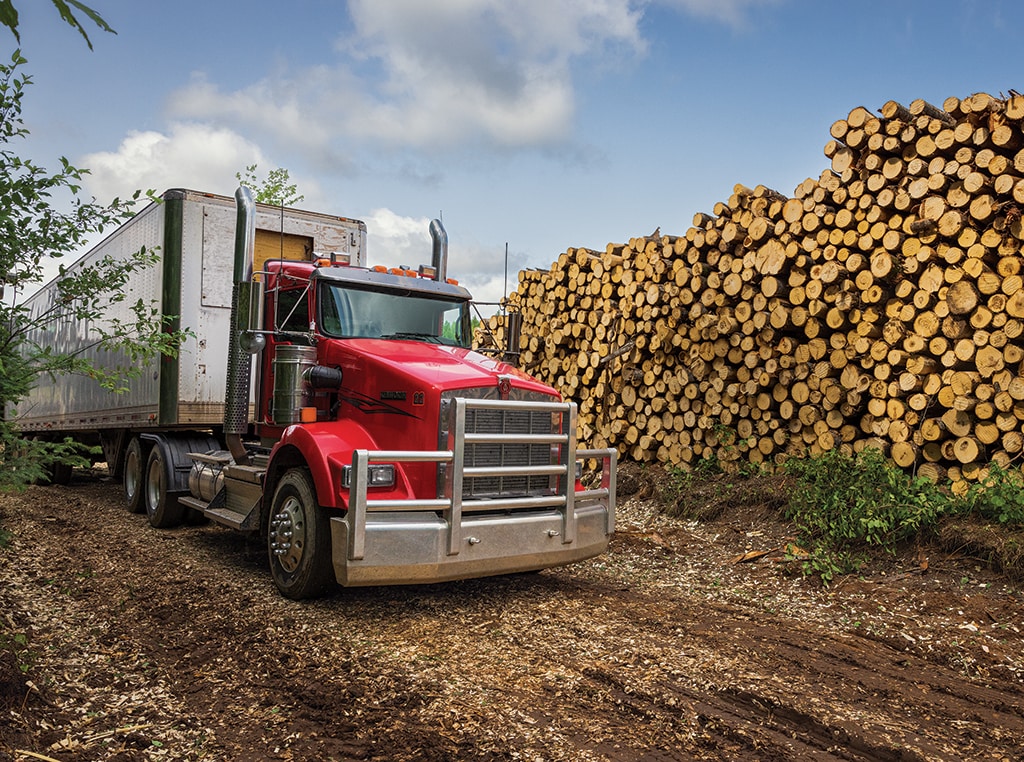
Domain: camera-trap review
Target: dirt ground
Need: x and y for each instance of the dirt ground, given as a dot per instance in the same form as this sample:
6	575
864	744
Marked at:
685	641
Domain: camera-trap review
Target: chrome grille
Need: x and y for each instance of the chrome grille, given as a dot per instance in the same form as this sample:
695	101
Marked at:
498	421
508	422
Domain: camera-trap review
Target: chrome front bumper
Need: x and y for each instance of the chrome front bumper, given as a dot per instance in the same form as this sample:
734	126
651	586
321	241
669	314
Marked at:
410	548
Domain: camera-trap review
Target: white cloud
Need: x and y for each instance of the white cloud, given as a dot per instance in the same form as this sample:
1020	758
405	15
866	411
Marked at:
394	240
189	155
429	75
207	159
296	113
412	76
490	69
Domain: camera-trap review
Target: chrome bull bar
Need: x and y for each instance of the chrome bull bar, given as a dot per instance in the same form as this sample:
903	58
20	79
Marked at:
453	505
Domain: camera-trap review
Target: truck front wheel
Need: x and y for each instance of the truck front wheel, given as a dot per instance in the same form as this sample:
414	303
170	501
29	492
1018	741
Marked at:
299	539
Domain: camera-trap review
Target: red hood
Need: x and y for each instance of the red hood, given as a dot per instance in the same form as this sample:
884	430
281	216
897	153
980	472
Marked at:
437	366
392	395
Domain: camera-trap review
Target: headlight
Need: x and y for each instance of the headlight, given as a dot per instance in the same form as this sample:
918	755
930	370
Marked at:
378	475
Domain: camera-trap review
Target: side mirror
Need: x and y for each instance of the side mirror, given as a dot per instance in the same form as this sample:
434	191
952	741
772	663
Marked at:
513	331
250	298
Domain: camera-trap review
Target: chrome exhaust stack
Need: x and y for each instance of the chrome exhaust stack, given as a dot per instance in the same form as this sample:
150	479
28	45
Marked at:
439	250
243	341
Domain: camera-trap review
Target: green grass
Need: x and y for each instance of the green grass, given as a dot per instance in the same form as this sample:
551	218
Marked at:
845	506
846	509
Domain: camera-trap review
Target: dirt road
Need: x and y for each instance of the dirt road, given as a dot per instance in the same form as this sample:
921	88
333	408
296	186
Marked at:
127	643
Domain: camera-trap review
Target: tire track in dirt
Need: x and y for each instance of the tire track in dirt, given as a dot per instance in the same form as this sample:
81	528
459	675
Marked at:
212	631
556	666
810	694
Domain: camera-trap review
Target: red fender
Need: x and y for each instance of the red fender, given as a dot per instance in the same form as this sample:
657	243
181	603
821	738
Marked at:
327	448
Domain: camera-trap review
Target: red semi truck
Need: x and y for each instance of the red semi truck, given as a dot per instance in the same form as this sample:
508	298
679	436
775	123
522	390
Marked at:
336	410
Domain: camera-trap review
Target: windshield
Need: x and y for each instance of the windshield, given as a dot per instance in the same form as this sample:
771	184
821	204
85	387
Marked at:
347	312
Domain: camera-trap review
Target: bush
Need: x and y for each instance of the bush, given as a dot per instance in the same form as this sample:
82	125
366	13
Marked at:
998	497
842	505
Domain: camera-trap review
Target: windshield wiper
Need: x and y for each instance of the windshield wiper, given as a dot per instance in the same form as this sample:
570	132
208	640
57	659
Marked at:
428	337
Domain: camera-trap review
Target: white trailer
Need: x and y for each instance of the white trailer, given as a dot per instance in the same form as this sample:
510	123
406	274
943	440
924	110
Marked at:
194	234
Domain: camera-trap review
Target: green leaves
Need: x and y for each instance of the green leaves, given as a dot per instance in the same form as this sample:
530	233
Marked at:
842	505
274	190
27	460
17	643
66	14
9	17
85	295
999	496
42	218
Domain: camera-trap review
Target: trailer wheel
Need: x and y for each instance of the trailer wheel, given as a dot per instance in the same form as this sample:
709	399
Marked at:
299	539
133	468
60	473
163	509
54	472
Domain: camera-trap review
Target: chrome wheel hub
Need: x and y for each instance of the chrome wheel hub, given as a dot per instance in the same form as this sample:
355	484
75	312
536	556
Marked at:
131	475
154	486
287	529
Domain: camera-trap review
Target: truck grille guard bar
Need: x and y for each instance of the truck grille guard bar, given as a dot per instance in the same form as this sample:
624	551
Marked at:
453	505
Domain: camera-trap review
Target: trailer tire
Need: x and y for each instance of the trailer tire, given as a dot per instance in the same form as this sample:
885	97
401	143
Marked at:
60	473
134	463
54	472
299	539
162	508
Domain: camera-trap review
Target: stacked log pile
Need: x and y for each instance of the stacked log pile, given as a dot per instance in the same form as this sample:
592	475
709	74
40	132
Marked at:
880	305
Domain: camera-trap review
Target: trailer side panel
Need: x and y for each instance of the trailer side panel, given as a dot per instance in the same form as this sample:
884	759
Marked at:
194	233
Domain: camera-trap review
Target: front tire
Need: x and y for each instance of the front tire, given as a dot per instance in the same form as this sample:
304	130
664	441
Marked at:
299	539
163	509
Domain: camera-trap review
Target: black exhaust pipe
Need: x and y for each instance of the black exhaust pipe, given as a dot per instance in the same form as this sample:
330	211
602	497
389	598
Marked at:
439	249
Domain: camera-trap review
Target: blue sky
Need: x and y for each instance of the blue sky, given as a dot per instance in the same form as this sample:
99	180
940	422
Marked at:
543	124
